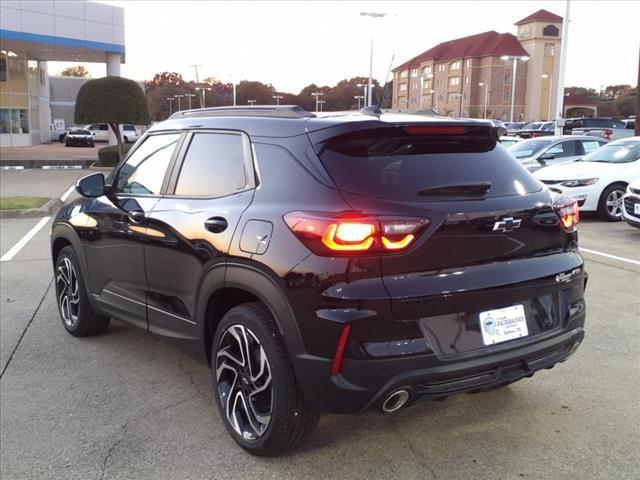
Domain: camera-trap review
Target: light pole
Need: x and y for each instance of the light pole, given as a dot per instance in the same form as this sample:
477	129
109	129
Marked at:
364	87
189	95
170	100
251	102
233	85
198	79
550	77
373	16
317	95
179	97
359	97
424	75
278	98
203	99
321	102
524	58
486	96
559	113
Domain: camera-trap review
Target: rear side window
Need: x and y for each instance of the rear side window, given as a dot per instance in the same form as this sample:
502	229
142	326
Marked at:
214	166
392	163
590	145
564	149
144	170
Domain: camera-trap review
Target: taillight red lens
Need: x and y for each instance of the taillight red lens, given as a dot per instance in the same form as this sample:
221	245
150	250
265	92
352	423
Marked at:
330	234
435	130
607	133
568	212
535	134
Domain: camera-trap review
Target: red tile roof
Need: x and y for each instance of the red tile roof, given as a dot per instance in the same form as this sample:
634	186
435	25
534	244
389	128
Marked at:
579	100
542	16
480	45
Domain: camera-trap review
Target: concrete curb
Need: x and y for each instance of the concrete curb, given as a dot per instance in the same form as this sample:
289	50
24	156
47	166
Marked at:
28	164
48	208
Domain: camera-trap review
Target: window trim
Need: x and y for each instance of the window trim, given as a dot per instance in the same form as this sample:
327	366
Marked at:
176	168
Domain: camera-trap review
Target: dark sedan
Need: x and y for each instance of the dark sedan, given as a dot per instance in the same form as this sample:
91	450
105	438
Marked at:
79	138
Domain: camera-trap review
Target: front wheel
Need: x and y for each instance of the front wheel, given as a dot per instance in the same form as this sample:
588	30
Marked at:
611	203
76	312
257	394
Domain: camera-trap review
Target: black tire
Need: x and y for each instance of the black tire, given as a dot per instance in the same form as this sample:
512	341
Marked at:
291	420
604	209
66	143
77	315
126	140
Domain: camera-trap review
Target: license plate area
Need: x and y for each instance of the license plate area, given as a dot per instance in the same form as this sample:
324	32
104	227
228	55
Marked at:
636	208
503	324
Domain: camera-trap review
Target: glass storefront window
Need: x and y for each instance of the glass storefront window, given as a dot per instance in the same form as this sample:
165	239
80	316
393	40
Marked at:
4	121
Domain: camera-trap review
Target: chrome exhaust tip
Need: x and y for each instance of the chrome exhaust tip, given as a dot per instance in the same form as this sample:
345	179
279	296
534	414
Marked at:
395	401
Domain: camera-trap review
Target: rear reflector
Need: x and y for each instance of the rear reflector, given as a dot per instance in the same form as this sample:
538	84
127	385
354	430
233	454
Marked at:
568	212
336	363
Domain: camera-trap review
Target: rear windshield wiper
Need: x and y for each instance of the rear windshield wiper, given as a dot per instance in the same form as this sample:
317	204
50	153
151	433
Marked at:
457	189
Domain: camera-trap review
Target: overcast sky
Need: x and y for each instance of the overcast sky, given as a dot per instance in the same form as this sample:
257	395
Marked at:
293	44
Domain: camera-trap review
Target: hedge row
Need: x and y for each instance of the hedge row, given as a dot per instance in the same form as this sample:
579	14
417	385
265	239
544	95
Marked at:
108	156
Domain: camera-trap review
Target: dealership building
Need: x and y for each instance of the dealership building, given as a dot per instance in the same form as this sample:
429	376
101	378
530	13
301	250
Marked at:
33	33
488	74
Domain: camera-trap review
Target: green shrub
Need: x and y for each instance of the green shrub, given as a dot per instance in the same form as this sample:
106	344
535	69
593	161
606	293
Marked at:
108	156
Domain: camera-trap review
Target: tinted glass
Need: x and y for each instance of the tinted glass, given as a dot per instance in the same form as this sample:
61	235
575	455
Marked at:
389	163
79	132
213	166
128	127
104	126
145	169
528	148
615	153
563	149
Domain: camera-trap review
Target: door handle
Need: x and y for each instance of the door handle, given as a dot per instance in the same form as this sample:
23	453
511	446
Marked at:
216	224
136	216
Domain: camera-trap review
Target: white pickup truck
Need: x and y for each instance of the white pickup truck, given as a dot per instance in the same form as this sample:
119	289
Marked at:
607	128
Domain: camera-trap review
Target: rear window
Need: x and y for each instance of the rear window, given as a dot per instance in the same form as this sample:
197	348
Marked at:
394	164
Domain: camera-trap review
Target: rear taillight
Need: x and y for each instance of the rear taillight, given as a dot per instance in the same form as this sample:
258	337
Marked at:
535	134
607	133
568	213
348	233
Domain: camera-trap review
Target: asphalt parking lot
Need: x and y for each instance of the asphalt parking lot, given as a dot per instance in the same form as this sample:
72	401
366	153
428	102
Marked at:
125	405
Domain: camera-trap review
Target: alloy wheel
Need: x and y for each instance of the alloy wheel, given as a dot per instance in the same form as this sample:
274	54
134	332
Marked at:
68	292
614	203
243	377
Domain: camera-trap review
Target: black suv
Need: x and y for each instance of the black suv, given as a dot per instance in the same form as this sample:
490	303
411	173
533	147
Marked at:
340	263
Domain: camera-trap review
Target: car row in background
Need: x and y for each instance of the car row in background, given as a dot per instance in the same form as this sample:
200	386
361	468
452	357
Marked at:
100	132
600	180
605	127
536	153
631	204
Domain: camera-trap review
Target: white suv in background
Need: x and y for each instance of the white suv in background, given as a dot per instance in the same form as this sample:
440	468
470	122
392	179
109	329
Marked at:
130	133
631	204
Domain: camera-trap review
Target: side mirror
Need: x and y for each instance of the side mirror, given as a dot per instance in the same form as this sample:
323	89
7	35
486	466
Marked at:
91	186
546	156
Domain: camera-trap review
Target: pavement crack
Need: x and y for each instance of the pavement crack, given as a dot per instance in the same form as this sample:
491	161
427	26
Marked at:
413	449
125	427
33	316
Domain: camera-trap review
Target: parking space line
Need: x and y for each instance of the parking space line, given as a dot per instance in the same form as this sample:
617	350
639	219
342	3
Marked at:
24	240
608	255
66	194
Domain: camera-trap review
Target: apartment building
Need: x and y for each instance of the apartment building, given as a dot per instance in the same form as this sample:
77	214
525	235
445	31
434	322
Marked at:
479	75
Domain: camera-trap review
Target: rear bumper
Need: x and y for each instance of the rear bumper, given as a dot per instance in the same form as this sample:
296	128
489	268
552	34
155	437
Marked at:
365	384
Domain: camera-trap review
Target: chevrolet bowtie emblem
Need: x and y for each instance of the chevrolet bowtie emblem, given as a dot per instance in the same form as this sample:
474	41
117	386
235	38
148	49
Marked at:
508	224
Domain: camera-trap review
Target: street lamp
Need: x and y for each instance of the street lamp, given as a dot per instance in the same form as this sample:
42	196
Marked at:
202	90
251	102
278	98
486	96
317	95
179	97
189	95
170	100
359	97
233	85
321	102
373	16
515	59
364	87
424	75
550	77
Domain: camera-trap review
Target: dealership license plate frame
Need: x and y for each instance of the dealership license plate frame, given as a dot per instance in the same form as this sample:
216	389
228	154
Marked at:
503	324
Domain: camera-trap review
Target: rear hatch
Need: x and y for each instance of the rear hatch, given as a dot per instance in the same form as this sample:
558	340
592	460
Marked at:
493	239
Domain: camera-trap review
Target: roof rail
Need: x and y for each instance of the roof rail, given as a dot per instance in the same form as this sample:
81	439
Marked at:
278	111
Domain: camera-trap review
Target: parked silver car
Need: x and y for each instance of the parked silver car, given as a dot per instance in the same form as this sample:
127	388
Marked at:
536	153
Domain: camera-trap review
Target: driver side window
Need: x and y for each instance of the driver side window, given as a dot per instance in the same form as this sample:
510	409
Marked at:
144	170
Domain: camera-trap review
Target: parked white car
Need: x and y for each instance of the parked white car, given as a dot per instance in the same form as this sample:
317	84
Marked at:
599	180
631	202
130	133
536	153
